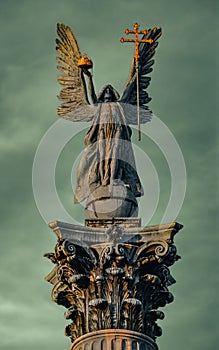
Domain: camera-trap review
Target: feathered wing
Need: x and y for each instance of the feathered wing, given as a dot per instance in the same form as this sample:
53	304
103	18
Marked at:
146	53
73	93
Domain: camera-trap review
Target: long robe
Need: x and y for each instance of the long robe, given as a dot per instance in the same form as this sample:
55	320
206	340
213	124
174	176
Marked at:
108	158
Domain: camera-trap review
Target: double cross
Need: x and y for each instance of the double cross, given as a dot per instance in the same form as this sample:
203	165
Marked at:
136	40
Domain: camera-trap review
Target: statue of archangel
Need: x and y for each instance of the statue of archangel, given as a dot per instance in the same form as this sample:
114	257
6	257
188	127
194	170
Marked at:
106	175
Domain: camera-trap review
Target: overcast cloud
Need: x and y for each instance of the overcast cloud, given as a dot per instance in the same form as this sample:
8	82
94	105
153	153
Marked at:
183	89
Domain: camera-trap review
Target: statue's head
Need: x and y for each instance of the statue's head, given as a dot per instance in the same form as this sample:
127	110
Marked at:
108	94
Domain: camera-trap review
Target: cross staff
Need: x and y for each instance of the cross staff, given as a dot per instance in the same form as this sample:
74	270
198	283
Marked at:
136	57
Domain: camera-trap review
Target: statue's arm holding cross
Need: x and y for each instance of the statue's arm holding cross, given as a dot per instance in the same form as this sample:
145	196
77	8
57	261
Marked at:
74	66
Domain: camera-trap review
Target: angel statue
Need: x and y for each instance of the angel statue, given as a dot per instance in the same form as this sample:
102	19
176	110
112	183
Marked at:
106	176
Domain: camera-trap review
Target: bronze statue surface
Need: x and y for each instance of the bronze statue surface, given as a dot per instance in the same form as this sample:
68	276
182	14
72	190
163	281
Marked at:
106	175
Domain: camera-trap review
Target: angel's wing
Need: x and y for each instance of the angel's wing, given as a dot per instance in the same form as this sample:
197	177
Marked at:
146	52
74	93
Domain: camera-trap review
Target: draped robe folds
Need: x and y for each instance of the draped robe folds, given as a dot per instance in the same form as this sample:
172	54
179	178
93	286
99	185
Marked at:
108	159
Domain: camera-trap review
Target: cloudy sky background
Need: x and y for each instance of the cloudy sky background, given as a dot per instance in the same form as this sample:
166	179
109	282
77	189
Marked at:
183	89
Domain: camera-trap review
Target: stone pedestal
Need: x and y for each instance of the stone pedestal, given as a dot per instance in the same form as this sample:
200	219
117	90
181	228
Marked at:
114	339
113	276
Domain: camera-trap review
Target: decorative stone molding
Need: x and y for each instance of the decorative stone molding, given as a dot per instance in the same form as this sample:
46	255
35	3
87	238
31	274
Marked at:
113	277
114	339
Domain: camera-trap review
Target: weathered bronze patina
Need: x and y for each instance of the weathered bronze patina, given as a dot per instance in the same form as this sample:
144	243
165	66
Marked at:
107	175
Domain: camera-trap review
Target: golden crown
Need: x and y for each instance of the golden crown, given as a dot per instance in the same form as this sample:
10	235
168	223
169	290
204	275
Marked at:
85	62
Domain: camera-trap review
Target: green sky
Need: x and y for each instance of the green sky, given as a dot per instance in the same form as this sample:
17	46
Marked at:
183	89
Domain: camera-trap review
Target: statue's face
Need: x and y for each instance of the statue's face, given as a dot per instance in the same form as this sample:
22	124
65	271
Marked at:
108	96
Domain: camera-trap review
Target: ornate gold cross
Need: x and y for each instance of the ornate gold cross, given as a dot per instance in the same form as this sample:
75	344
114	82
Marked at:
136	40
136	57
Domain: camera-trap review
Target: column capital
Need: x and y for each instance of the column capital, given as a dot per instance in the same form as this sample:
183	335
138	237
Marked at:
114	276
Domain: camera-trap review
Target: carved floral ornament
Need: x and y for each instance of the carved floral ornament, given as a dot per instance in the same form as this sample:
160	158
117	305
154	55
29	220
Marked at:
117	284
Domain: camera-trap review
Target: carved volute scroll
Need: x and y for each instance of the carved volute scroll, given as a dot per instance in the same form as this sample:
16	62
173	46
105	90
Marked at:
119	283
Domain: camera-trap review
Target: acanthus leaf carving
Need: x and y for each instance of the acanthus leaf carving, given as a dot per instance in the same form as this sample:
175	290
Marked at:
118	284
